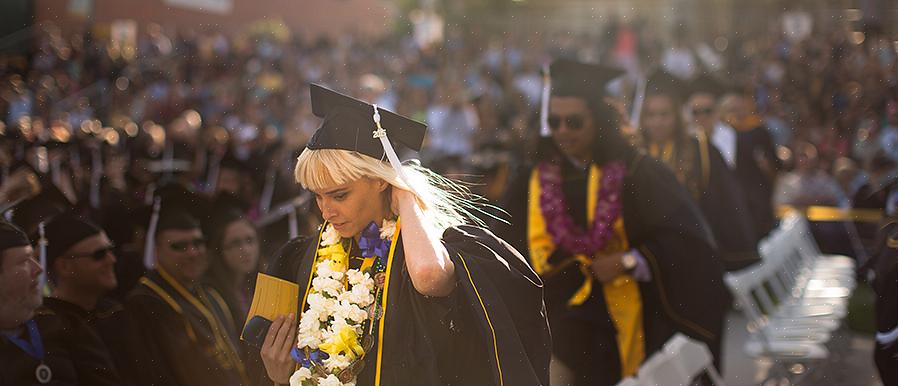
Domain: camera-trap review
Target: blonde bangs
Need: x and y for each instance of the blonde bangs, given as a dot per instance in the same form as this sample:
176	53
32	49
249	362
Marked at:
325	168
445	202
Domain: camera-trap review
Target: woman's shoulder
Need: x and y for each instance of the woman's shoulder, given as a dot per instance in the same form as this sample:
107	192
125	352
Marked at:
475	241
286	260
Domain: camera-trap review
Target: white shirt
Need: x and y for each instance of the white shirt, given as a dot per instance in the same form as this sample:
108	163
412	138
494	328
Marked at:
724	139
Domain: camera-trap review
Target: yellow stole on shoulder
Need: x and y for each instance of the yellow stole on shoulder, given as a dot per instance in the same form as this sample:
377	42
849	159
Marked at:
622	295
664	153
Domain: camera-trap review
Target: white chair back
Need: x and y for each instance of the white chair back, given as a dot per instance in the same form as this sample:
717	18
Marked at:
679	363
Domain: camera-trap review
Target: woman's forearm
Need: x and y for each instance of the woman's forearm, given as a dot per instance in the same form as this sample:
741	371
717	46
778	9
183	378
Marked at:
428	263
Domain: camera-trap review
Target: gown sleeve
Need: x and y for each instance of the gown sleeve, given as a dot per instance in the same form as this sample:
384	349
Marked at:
724	206
664	224
500	296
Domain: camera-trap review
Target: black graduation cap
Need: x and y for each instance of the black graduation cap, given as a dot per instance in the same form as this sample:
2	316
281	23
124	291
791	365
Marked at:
11	236
178	199
664	83
349	125
707	84
584	80
47	204
64	231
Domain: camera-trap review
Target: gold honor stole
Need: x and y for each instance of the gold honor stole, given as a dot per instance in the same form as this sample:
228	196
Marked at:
622	295
664	153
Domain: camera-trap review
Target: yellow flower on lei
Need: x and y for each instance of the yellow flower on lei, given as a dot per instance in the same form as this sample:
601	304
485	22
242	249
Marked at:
339	259
346	343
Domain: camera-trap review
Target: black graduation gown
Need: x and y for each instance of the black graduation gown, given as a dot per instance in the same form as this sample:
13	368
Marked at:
75	354
686	292
757	184
111	323
179	344
722	203
885	283
491	330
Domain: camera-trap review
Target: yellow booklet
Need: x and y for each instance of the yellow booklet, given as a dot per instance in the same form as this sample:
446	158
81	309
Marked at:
272	298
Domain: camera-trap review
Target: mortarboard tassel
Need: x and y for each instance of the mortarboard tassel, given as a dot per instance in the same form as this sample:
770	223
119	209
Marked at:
544	130
268	190
639	99
381	134
96	174
42	255
149	251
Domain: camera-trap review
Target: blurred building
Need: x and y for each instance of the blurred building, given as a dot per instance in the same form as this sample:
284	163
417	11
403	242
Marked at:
309	18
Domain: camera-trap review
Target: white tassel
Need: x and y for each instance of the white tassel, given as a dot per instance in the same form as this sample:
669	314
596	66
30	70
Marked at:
96	175
381	134
638	101
42	255
149	250
544	130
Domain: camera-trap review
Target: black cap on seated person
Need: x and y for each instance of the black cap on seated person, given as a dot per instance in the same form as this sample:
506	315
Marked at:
349	125
64	231
11	237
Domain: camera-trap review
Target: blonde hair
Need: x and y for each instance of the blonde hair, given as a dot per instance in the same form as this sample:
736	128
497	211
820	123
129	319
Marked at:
446	203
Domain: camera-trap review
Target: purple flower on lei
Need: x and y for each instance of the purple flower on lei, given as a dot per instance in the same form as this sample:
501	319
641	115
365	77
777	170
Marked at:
564	231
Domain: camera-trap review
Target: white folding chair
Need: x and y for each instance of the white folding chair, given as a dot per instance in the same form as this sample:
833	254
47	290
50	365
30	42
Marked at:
678	363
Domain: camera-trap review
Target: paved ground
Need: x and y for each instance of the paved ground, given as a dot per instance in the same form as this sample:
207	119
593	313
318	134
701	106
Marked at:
852	368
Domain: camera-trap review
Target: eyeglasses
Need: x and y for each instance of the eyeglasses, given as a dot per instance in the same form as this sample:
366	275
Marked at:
702	111
573	122
182	246
97	255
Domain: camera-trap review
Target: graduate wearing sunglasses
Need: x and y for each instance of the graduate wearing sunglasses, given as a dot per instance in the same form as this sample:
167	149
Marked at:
186	327
622	250
37	345
81	266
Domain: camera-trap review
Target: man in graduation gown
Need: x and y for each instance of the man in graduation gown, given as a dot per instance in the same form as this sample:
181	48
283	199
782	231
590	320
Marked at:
756	163
626	258
80	265
185	325
37	346
701	169
490	329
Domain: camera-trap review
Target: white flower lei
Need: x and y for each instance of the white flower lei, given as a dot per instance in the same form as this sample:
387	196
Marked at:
337	304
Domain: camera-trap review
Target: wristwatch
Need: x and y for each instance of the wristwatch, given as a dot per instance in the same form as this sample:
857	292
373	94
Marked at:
628	260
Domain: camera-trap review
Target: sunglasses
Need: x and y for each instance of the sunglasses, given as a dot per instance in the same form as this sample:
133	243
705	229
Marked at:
573	122
99	254
702	111
182	246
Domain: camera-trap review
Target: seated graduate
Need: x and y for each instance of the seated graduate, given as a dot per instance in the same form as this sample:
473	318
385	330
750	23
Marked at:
398	288
625	255
80	264
37	346
186	332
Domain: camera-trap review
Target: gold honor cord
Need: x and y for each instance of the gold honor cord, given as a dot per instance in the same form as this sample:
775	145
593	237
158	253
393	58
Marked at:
383	307
171	303
830	213
223	346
